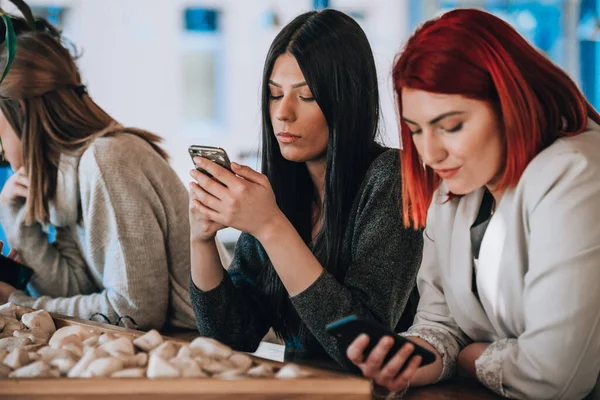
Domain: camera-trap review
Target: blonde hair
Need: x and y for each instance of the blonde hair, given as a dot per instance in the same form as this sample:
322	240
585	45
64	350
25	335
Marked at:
43	100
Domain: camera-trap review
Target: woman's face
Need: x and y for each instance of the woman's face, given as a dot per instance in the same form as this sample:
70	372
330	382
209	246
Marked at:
11	144
459	138
298	123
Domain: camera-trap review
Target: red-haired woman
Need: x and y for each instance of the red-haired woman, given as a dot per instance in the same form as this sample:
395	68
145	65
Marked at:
501	164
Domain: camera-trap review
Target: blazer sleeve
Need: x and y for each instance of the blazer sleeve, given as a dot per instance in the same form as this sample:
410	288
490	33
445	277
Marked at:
433	322
558	354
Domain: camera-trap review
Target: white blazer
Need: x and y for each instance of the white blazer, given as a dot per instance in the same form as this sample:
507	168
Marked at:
538	277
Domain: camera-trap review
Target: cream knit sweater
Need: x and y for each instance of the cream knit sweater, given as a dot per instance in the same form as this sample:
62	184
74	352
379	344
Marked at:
122	243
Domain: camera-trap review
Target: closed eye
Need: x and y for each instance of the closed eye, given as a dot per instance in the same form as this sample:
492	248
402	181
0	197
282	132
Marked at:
455	129
272	97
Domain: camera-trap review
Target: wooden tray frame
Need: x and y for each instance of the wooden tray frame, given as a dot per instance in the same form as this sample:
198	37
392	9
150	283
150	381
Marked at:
322	385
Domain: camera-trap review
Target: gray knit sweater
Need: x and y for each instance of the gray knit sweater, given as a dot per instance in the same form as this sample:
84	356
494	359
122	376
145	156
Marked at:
381	263
122	243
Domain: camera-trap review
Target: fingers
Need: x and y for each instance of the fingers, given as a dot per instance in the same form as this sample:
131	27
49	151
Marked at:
21	177
208	187
357	348
249	174
392	368
20	191
403	380
212	186
204	211
375	359
219	173
198	193
13	255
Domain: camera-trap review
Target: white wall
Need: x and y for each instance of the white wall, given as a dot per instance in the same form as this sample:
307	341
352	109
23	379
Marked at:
132	62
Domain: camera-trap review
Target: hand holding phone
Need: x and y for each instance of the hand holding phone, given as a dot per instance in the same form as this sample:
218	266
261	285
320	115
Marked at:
13	272
346	330
215	154
201	228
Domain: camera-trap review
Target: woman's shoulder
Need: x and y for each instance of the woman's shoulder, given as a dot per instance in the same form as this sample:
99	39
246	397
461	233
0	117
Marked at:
573	158
385	168
119	145
380	187
387	158
119	150
583	145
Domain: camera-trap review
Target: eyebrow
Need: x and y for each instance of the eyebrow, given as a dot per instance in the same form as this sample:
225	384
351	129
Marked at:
436	119
294	86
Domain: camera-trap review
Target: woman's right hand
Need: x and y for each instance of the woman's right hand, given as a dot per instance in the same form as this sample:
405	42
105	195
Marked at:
385	375
202	228
15	188
12	254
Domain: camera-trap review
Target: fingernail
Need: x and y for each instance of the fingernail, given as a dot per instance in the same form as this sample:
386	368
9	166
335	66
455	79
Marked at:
235	165
198	160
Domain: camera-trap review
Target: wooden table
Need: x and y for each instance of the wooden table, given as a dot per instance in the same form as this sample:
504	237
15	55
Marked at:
458	389
324	385
321	385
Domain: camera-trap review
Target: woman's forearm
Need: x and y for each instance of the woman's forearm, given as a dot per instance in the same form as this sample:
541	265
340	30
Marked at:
430	373
207	269
293	261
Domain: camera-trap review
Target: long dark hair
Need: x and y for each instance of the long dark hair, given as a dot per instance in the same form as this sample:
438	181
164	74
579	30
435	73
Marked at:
336	60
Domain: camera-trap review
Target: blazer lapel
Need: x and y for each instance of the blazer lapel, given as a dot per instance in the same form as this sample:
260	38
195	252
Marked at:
473	319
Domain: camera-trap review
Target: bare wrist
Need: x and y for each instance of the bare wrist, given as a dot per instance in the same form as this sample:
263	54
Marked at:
272	229
202	241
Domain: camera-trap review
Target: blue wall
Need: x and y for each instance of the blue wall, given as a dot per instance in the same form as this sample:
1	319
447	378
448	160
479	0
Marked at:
5	173
541	23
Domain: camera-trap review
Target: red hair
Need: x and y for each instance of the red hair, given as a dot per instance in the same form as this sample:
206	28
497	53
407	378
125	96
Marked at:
477	55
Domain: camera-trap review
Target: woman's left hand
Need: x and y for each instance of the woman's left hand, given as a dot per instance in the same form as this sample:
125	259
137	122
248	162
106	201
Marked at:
246	204
468	356
5	291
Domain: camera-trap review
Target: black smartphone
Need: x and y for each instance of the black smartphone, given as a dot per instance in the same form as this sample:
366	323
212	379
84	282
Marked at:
215	154
347	329
14	273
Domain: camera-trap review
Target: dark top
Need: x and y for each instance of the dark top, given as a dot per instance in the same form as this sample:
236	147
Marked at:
477	232
380	262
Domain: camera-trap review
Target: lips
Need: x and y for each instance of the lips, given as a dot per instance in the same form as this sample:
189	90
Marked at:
447	173
286	137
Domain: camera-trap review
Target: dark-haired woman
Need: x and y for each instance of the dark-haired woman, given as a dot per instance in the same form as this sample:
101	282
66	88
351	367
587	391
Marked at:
323	231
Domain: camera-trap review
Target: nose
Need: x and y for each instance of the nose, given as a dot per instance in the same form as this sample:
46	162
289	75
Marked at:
286	109
432	149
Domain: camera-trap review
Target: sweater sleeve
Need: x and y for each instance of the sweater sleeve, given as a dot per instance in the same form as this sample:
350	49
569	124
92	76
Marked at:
125	228
234	312
60	270
382	271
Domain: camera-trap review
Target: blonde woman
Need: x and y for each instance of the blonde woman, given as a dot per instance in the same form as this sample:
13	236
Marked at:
120	212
